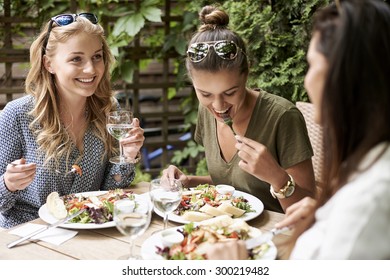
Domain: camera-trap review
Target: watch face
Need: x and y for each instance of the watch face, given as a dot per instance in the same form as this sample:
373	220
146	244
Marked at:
289	191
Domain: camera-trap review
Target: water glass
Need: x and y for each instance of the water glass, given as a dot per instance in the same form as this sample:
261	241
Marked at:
119	124
166	196
132	217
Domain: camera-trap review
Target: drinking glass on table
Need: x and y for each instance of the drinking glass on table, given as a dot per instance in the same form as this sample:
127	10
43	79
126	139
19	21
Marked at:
132	217
119	124
166	196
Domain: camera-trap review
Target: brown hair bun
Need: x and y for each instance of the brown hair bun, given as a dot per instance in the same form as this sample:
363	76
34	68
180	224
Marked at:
212	17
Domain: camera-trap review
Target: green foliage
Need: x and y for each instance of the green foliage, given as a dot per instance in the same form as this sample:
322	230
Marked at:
277	37
20	8
130	20
140	176
192	150
201	168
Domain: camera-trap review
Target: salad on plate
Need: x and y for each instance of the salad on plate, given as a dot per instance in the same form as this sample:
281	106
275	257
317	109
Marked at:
204	202
198	237
99	208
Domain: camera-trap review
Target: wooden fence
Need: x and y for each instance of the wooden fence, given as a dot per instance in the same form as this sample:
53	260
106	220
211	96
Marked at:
147	96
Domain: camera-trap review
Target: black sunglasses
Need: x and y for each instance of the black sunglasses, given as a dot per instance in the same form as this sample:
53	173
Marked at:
66	19
224	49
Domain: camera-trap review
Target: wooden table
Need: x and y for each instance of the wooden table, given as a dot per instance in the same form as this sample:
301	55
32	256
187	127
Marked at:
108	243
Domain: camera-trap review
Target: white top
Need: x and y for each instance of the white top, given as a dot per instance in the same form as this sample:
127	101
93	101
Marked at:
355	222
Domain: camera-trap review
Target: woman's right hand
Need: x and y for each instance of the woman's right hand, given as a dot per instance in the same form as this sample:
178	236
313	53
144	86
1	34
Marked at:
298	213
172	172
229	250
19	175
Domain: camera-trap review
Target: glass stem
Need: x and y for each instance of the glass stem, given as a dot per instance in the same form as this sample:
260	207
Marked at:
131	257
165	221
121	157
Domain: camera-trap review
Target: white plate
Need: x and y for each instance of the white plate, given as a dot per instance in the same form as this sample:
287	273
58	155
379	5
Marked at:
148	248
256	204
45	215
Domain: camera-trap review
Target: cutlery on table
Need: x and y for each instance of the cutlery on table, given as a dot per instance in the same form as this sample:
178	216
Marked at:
264	238
60	222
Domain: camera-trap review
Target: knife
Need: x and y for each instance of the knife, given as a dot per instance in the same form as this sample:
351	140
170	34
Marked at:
60	222
264	238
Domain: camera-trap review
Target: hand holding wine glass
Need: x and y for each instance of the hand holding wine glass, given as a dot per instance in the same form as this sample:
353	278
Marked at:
119	124
166	196
132	217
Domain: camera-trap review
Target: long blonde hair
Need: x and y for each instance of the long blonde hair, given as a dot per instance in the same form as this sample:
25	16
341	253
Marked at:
53	140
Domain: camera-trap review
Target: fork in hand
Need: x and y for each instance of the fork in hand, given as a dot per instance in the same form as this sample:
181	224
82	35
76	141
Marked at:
75	169
228	120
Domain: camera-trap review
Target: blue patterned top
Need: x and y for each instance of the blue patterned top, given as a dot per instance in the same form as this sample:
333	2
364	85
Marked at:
17	141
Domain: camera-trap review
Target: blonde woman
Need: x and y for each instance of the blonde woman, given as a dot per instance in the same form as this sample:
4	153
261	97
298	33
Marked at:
62	122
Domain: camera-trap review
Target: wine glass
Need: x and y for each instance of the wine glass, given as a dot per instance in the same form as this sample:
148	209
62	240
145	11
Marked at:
166	196
132	217
119	124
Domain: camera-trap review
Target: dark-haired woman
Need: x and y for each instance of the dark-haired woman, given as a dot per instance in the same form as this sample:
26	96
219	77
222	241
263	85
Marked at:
348	83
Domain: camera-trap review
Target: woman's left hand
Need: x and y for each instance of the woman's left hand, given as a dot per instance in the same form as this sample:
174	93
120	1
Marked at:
134	141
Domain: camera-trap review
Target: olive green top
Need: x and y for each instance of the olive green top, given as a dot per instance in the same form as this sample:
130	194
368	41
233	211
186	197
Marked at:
277	124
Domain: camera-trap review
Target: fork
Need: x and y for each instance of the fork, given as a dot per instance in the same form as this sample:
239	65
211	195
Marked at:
75	169
228	120
265	237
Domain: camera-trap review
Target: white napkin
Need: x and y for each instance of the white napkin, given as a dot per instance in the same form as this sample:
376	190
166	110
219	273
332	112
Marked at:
54	236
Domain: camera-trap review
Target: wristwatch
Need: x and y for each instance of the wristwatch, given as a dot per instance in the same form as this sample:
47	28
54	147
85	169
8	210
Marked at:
286	191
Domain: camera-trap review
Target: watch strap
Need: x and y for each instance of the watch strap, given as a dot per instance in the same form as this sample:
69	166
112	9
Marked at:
283	192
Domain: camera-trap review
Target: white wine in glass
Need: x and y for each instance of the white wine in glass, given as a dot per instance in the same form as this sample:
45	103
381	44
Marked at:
119	125
132	218
166	196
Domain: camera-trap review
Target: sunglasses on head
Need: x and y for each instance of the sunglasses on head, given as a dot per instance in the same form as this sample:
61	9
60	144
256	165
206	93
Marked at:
224	49
66	19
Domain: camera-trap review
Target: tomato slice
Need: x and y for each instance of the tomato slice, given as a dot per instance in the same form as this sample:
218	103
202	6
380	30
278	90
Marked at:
234	234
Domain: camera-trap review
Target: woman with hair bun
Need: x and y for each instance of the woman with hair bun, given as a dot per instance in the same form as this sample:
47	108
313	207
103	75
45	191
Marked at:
253	140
